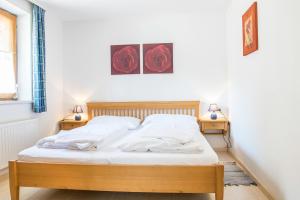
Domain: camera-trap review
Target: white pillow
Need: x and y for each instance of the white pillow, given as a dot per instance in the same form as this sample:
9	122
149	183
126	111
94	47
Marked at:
178	127
128	122
178	119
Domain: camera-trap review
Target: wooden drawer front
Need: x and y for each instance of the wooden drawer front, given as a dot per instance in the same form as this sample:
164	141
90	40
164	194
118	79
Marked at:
214	126
70	126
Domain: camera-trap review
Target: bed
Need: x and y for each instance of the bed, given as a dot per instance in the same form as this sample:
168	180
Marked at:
120	171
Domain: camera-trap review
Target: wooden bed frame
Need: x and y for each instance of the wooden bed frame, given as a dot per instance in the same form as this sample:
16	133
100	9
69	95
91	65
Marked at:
123	178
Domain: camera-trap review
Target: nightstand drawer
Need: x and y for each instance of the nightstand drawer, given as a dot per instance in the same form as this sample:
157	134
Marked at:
68	125
214	126
217	126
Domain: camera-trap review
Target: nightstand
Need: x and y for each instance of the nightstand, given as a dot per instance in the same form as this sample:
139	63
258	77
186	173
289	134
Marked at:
217	125
70	124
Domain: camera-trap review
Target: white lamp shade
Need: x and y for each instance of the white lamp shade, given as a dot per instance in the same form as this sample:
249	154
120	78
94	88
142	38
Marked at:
213	108
78	109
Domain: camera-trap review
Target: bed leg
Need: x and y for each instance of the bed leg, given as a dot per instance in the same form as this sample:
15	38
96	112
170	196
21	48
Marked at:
219	195
13	181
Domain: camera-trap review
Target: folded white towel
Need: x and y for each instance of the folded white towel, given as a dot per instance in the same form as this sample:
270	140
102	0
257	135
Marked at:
87	138
74	141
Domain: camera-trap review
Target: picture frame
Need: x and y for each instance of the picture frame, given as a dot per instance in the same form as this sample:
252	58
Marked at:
158	58
250	30
125	59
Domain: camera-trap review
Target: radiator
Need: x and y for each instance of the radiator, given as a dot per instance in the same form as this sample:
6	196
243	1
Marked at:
16	136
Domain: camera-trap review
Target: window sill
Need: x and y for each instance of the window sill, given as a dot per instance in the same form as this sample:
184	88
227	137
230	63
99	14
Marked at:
11	102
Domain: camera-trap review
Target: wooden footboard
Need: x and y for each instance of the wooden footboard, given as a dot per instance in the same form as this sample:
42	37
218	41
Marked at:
122	178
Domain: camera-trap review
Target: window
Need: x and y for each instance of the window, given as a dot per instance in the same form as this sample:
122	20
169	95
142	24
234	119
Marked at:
8	56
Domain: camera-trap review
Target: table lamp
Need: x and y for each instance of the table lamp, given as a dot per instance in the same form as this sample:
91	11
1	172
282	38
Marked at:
213	108
78	109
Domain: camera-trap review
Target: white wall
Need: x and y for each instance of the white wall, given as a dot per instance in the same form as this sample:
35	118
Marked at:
199	59
21	111
264	95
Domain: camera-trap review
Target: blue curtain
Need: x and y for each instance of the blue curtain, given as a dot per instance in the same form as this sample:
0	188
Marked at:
39	63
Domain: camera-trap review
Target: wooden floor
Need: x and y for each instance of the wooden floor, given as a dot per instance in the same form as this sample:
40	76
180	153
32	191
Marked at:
231	193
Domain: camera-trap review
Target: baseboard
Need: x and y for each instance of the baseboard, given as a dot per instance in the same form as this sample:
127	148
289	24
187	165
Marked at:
3	171
222	149
3	174
259	185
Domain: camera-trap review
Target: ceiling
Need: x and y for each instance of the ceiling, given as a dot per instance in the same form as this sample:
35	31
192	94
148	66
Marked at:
97	9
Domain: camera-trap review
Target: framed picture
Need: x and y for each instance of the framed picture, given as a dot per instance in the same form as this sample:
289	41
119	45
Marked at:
250	30
125	59
158	58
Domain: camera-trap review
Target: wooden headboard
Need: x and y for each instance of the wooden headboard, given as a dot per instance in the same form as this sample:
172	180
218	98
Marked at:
143	109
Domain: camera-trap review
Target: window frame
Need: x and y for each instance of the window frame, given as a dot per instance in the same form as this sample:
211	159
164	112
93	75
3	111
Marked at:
13	17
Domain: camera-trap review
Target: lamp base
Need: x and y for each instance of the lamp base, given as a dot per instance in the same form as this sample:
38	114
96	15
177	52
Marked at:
213	116
77	117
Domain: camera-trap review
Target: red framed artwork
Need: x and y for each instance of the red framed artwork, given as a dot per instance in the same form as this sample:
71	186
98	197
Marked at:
125	59
250	30
158	58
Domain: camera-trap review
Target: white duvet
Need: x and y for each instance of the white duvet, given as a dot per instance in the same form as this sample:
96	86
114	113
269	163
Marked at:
112	155
86	138
158	133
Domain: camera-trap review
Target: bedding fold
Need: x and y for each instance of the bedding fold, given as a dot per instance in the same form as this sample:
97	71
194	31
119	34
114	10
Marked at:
160	145
164	136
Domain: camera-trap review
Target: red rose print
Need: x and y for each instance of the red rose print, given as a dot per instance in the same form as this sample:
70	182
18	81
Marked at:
125	59
158	58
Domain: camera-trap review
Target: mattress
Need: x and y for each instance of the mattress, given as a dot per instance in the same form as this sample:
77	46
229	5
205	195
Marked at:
113	155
